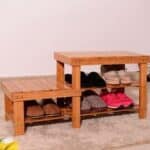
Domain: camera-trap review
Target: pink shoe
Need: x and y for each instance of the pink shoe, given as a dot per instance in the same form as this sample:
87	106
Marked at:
111	100
126	101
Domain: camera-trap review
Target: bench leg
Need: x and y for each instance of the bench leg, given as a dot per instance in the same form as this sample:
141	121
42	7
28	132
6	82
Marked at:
143	91
76	100
18	117
76	112
8	108
60	74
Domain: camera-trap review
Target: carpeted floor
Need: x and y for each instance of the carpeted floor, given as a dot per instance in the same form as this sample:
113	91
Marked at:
123	132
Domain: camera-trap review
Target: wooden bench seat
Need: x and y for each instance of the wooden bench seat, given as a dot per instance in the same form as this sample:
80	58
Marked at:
26	88
19	90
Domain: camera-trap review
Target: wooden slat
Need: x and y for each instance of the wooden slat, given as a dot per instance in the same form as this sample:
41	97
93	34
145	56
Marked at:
112	111
25	96
143	91
134	84
18	118
100	57
29	120
32	84
36	88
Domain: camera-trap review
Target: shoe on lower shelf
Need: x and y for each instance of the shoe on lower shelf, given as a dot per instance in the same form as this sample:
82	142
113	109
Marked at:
126	101
50	108
33	109
148	77
111	100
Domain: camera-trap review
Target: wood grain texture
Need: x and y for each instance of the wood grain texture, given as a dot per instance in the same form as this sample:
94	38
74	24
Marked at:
76	99
60	73
18	118
36	88
143	91
8	108
107	58
100	57
19	90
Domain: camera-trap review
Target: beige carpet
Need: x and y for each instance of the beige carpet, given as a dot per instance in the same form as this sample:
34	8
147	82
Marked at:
125	132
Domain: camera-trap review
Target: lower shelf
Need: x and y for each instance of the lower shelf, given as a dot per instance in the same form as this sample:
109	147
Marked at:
67	115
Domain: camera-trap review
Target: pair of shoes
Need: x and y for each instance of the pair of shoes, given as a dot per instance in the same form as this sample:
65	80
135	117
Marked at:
117	77
50	108
91	101
84	81
93	79
116	100
35	110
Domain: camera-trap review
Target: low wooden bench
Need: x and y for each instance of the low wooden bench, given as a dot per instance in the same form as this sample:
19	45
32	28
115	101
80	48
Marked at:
19	90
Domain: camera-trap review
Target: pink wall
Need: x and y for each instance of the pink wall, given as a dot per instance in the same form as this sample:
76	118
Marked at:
31	30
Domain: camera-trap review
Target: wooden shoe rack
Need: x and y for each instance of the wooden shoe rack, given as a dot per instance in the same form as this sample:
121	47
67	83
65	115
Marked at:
19	90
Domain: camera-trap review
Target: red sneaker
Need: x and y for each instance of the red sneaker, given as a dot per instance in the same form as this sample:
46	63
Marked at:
112	100
126	101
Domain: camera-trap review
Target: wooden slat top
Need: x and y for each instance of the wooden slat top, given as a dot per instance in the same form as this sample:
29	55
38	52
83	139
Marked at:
100	57
32	84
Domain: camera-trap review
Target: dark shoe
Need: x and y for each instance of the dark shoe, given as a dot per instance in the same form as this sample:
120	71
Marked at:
84	80
96	80
68	78
113	67
64	102
148	77
88	93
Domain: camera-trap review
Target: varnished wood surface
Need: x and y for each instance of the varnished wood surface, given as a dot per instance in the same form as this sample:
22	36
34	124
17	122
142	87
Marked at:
76	59
29	120
76	99
143	91
36	87
32	84
133	84
19	90
100	57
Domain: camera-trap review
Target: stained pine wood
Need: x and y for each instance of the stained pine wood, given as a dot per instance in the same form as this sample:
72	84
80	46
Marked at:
8	108
107	57
68	112
60	73
35	88
76	99
18	118
100	57
19	90
111	111
143	91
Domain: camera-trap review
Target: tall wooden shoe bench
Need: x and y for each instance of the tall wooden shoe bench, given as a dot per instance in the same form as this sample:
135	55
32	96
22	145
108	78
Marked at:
17	91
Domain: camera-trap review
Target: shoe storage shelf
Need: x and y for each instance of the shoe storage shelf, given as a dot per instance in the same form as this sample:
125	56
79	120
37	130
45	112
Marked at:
78	59
20	90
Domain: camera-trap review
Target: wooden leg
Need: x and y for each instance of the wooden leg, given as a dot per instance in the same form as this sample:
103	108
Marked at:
143	91
18	117
8	108
76	100
60	75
